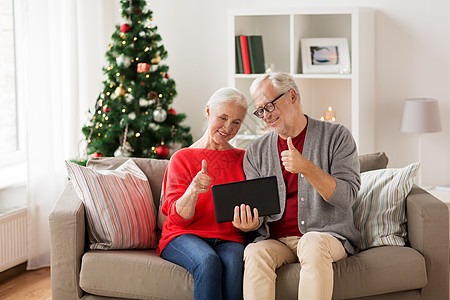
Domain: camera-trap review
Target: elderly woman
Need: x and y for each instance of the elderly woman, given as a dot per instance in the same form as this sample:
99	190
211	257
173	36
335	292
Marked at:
191	237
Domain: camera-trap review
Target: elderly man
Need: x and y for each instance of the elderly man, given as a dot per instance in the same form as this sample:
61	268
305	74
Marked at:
317	168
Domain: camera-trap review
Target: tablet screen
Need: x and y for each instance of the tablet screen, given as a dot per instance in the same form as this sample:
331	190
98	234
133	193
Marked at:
261	193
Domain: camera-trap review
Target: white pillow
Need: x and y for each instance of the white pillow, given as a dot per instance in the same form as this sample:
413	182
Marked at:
119	206
379	212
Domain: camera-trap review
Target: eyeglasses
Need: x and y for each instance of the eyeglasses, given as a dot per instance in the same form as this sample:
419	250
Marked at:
269	107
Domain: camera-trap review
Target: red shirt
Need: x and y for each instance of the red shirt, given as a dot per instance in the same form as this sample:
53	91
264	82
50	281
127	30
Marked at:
288	224
222	166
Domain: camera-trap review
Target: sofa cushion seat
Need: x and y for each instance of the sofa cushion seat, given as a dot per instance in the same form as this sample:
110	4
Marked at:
371	272
145	275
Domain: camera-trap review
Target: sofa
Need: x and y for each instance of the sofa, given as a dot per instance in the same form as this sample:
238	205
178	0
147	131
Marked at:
418	270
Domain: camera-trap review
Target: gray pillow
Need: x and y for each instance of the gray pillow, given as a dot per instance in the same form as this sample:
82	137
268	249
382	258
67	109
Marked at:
373	161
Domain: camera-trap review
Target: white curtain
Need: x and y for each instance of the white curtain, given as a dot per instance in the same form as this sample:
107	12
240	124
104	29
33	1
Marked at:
60	49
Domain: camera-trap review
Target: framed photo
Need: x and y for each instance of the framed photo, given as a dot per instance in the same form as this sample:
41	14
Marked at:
325	55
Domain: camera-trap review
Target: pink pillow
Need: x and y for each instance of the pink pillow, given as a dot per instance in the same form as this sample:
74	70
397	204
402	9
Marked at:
119	206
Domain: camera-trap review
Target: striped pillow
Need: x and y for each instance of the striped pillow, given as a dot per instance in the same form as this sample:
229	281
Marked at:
379	212
119	206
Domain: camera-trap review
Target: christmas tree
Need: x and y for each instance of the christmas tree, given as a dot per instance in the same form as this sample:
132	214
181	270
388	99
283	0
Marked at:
133	114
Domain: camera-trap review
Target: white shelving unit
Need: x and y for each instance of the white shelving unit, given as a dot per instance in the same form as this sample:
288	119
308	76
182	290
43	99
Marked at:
350	95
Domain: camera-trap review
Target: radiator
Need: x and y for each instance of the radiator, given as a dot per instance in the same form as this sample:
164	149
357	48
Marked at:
13	238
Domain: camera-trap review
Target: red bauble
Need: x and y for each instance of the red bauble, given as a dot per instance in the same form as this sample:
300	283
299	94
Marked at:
172	111
167	76
105	109
162	151
97	154
125	28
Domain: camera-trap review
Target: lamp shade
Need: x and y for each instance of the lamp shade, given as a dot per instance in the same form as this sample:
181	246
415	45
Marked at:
421	115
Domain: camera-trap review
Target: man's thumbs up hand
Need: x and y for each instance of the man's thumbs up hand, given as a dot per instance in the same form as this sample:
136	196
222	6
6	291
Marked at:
290	144
291	158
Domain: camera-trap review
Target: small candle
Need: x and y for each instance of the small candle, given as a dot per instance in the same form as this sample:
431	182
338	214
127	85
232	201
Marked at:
330	115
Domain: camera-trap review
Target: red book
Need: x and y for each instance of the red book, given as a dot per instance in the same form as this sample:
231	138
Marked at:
245	56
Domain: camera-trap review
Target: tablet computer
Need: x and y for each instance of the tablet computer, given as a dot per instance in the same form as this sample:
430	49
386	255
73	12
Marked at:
261	193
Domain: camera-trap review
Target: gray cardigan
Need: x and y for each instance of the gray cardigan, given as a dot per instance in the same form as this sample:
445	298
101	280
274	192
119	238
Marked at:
331	147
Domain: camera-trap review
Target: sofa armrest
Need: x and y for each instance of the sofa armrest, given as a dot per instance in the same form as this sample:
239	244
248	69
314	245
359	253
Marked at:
428	233
67	244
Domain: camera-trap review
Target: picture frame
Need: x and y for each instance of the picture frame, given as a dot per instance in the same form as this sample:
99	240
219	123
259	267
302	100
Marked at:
325	55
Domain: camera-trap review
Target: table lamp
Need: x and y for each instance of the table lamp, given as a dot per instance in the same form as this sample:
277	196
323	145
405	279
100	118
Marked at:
420	115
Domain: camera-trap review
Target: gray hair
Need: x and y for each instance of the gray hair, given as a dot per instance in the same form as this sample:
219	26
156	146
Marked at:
225	95
282	82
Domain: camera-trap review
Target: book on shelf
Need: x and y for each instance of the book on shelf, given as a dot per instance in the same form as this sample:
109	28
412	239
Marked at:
256	54
245	55
239	63
443	187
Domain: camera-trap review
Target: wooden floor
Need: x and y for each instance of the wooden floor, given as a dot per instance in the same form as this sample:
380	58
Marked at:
30	285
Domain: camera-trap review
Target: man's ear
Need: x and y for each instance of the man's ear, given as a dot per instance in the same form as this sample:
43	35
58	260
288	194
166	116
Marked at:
293	95
207	111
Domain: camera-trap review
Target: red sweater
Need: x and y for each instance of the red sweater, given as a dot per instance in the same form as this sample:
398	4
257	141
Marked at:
222	166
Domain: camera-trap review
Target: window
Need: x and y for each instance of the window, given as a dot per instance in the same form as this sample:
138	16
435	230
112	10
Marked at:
9	121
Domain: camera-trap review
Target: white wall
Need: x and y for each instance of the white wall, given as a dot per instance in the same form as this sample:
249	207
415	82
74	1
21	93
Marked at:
412	60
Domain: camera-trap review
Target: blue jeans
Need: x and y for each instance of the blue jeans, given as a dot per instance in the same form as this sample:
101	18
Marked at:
216	265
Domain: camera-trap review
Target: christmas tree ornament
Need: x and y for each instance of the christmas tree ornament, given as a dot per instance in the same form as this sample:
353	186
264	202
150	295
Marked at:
120	91
125	28
143	67
159	114
152	95
82	149
129	98
143	102
167	76
156	59
118	152
172	111
162	151
132	115
153	126
106	109
123	151
123	60
97	154
174	147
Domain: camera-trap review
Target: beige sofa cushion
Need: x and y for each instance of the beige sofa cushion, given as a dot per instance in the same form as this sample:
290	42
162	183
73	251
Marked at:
373	161
371	272
146	275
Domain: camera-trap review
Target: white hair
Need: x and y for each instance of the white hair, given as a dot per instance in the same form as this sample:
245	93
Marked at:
282	82
225	95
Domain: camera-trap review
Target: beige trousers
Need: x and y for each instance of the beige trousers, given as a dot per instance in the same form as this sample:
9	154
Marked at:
315	251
